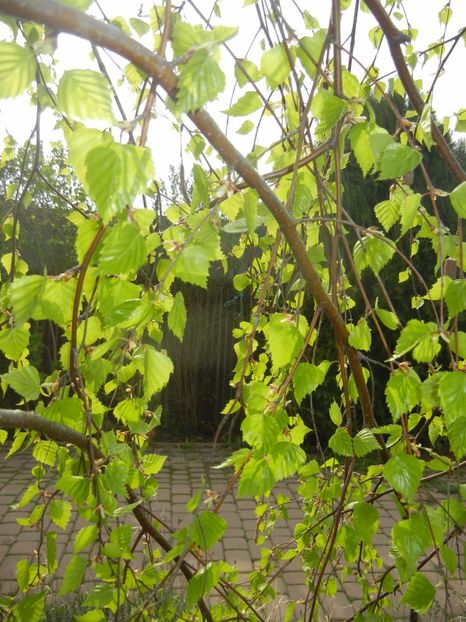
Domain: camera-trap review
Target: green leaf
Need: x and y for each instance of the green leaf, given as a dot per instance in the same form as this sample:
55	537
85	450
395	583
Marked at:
250	210
31	608
387	213
85	94
397	160
22	574
360	336
152	463
52	561
366	521
403	392
275	65
200	191
419	594
423	337
359	136
116	477
457	437
246	104
158	368
13	341
177	316
251	70
123	250
130	411
25	381
246	127
335	414
328	109
95	615
404	473
388	318
256	479
103	168
45	452
373	252
455	297
102	595
286	459
452	393
84	538
424	128
341	442
458	199
56	301
364	442
408	211
285	337
307	378
201	583
207	529
74	574
60	512
25	294
309	50
201	81
17	69
192	265
260	431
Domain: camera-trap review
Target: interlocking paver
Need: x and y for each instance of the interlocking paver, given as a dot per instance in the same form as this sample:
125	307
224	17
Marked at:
180	478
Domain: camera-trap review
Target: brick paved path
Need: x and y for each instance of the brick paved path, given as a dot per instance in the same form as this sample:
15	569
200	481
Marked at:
179	480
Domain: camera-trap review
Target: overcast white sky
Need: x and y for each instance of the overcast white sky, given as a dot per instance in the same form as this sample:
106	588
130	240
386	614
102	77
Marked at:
18	117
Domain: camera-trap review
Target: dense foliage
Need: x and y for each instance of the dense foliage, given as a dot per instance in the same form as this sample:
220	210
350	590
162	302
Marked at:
360	302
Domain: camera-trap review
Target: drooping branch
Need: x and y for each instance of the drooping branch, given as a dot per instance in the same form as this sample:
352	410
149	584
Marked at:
64	19
395	39
18	419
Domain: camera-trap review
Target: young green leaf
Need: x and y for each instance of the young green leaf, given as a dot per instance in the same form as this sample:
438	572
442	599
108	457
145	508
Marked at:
246	104
458	199
403	392
397	160
328	109
452	393
207	529
404	472
84	538
74	574
307	378
177	316
17	69
285	337
275	65
260	431
455	297
85	94
419	594
192	265
201	81
364	442
60	512
201	583
157	370
341	442
123	250
360	336
25	381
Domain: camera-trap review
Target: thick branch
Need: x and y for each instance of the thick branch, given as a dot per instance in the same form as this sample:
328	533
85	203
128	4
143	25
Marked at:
62	18
394	39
